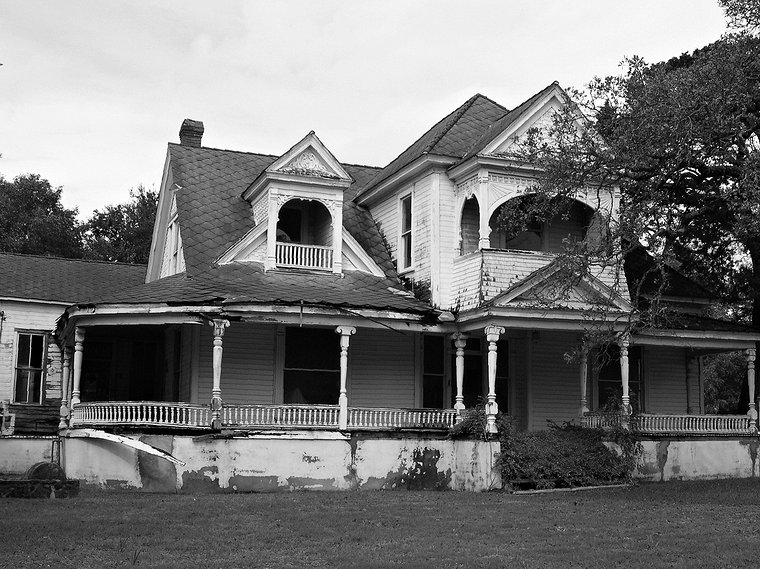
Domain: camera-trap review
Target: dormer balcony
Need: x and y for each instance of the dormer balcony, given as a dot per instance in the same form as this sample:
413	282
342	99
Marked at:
299	256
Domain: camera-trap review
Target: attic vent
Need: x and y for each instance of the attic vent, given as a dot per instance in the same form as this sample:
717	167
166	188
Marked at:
191	133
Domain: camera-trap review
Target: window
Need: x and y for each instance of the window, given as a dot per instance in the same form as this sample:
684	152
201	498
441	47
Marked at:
312	366
405	236
30	372
610	383
434	376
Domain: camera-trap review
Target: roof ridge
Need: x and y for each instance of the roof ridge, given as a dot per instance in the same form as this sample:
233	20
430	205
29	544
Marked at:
224	150
56	258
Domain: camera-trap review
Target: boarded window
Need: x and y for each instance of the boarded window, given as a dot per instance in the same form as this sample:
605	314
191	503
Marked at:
30	357
312	366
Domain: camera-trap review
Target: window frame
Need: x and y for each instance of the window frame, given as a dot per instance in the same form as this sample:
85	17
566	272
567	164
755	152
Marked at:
42	369
407	236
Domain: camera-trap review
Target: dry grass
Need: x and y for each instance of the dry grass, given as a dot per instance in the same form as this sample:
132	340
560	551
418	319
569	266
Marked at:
689	524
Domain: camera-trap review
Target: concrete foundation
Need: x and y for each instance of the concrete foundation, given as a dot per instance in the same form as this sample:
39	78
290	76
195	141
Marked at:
19	453
285	462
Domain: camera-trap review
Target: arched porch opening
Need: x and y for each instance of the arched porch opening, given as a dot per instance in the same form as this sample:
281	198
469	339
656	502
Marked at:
307	222
469	226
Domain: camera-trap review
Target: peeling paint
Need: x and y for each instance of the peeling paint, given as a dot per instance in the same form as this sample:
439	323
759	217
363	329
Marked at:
662	457
157	474
305	483
423	474
241	483
752	447
310	459
203	481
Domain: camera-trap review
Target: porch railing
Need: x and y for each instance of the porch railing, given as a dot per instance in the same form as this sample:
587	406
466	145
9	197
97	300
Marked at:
144	413
307	416
658	424
377	418
296	255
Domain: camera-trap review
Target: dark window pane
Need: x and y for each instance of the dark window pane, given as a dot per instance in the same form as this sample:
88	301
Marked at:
311	387
22	386
35	359
432	391
24	349
312	348
406	214
36	386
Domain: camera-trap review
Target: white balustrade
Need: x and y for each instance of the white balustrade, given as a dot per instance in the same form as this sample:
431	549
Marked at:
143	413
296	255
306	416
378	418
657	424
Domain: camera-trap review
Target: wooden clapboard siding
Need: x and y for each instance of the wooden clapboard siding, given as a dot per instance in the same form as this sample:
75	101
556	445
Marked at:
449	237
665	373
555	383
386	214
247	364
518	352
29	316
185	364
421	228
36	419
382	365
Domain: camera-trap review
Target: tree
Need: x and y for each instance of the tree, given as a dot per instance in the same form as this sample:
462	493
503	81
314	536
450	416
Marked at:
742	14
33	220
123	232
681	140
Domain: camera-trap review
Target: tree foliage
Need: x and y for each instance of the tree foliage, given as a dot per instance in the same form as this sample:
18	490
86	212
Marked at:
123	232
680	141
33	220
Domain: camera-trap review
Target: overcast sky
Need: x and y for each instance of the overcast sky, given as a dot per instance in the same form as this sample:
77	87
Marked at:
91	91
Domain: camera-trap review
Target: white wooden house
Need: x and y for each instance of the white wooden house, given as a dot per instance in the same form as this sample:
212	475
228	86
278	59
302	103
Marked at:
278	306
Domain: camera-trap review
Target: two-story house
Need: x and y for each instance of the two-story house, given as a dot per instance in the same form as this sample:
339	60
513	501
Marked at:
309	323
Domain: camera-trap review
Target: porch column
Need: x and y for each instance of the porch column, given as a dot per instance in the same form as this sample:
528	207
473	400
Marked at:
345	333
492	336
216	390
65	368
460	341
584	382
624	370
78	357
752	412
484	232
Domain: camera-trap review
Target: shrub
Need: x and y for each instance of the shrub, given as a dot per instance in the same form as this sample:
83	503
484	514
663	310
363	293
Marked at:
567	456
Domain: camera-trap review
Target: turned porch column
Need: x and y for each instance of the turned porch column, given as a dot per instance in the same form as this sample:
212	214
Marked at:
78	357
752	412
583	372
624	371
492	336
460	341
216	389
65	370
345	333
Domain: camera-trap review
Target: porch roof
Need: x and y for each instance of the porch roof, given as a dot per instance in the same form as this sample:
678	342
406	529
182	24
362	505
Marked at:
213	216
240	283
53	279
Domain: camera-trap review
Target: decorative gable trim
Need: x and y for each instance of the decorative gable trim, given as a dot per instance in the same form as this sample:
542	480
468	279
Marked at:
359	257
542	275
246	245
308	161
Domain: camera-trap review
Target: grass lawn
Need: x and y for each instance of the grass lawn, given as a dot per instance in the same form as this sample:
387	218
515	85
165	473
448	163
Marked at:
675	524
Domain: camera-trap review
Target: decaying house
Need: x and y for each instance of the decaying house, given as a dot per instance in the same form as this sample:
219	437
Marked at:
306	323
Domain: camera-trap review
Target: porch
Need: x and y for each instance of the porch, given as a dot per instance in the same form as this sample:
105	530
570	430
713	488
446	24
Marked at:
658	425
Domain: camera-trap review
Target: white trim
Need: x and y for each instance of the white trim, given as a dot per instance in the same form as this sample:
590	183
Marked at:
63	303
43	369
359	257
408	171
435	239
245	245
155	259
400	250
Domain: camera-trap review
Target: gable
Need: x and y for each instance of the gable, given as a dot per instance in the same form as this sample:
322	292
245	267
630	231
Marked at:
549	288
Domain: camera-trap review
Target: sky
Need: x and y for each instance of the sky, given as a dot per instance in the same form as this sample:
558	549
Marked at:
91	91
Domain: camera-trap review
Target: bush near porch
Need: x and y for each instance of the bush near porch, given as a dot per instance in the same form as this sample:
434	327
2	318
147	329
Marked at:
563	456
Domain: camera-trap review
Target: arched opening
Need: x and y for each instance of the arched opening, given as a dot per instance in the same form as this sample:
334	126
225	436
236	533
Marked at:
521	224
306	222
469	228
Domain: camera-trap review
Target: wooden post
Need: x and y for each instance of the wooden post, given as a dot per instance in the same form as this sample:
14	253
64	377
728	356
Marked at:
492	336
752	412
624	371
484	230
345	333
216	390
78	357
460	341
65	369
584	382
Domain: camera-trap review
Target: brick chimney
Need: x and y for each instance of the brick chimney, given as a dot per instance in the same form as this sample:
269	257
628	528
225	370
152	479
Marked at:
191	133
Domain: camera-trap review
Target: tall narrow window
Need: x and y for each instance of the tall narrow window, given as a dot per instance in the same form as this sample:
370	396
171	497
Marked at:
405	240
30	356
433	378
312	366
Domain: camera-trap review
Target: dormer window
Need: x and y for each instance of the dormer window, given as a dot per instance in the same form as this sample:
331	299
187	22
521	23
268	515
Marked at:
304	236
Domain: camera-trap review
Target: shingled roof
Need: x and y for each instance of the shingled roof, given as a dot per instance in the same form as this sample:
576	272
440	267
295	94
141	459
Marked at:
53	279
213	216
248	283
452	136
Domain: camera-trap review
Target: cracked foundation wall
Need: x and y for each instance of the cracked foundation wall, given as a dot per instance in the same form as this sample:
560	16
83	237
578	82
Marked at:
286	462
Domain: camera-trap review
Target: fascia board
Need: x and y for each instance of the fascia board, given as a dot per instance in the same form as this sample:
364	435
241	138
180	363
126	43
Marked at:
362	256
415	168
159	237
